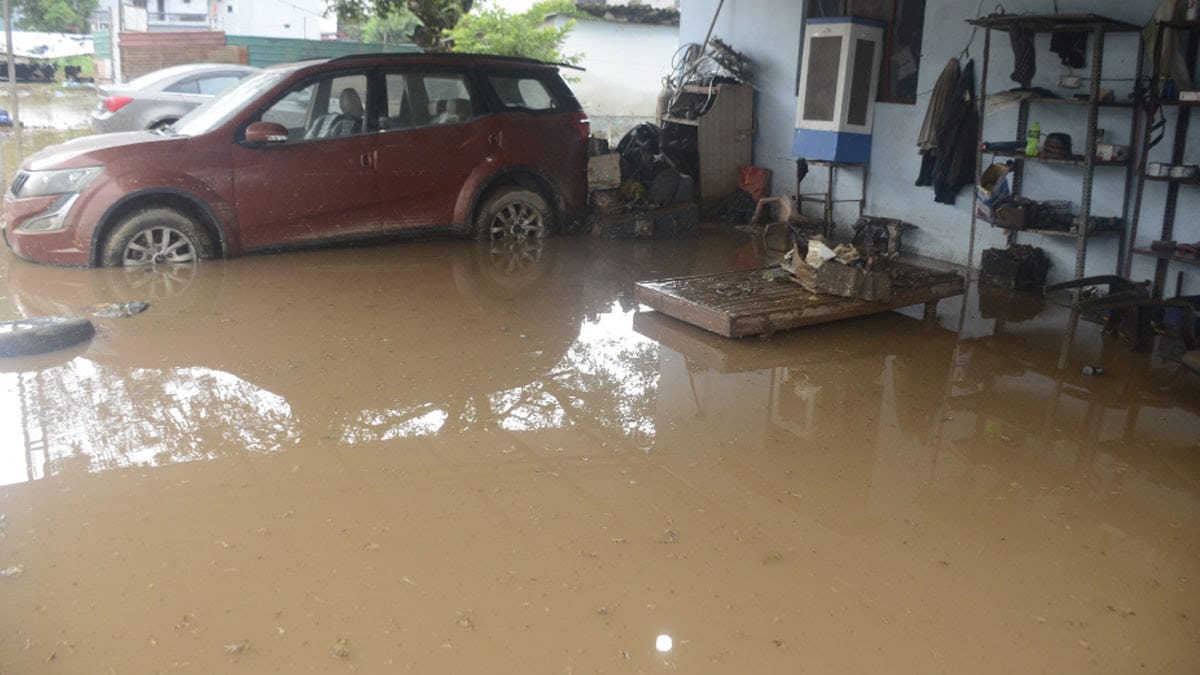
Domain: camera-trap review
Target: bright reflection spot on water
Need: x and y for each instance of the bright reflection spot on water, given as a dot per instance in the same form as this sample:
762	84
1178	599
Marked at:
609	374
663	643
90	417
386	425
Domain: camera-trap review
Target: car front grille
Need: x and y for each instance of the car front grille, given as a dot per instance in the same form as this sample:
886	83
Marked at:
19	181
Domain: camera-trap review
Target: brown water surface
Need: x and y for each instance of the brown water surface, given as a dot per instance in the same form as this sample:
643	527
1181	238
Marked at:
409	458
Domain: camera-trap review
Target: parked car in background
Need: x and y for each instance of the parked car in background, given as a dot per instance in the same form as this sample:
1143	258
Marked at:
341	149
160	98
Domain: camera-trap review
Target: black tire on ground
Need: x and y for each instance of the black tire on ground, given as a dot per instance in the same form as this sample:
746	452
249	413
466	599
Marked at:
514	211
26	337
156	236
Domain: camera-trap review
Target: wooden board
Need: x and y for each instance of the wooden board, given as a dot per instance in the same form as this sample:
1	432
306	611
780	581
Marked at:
737	304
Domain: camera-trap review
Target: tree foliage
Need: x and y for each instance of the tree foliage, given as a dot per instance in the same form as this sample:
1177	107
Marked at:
55	16
434	16
493	30
399	26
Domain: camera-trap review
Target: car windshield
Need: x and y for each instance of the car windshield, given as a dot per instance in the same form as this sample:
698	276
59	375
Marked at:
219	110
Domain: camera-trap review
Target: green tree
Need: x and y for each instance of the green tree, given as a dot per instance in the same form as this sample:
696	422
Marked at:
399	26
435	16
55	16
493	30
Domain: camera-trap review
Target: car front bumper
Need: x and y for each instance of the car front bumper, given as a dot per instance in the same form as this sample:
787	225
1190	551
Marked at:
55	247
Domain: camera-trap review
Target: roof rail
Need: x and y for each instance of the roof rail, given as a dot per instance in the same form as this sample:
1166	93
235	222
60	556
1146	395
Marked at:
447	55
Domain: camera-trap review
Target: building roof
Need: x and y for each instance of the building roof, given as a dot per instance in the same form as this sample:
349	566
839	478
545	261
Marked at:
630	13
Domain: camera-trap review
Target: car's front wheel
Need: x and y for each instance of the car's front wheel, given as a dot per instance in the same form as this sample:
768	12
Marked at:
157	236
514	214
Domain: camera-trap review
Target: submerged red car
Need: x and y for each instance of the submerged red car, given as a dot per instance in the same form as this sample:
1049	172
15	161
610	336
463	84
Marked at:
341	149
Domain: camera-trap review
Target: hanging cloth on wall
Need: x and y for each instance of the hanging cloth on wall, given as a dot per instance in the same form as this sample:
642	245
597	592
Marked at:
1071	48
958	133
943	91
1024	60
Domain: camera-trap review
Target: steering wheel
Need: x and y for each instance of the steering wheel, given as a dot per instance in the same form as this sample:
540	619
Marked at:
319	127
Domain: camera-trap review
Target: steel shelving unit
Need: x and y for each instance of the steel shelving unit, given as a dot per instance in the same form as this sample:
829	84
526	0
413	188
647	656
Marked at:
1164	259
1097	27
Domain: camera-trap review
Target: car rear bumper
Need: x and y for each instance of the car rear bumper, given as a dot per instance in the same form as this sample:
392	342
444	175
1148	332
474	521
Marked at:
106	122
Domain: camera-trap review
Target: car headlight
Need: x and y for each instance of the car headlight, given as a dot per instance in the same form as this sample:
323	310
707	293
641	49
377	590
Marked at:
62	181
53	217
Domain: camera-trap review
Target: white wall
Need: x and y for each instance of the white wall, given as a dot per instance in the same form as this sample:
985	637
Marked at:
769	32
270	18
625	63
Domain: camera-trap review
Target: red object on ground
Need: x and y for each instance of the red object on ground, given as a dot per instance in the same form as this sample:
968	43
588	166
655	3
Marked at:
755	180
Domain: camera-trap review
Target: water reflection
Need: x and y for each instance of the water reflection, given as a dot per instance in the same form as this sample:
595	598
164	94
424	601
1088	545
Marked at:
546	467
435	339
87	417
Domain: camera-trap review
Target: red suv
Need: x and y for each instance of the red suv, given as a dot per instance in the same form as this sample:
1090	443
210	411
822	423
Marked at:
341	149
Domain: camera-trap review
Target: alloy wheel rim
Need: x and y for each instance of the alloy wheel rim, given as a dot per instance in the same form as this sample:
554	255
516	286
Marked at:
511	257
161	245
519	221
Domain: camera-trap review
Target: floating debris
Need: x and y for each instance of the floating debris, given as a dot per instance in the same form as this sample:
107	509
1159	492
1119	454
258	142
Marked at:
117	310
14	571
238	647
341	649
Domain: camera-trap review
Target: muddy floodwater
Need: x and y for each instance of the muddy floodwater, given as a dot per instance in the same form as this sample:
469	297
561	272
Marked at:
421	457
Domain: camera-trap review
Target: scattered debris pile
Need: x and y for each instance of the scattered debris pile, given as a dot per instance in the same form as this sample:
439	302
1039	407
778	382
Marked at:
640	190
860	269
648	186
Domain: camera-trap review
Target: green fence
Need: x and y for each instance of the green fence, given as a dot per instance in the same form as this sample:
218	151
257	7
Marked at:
265	51
102	43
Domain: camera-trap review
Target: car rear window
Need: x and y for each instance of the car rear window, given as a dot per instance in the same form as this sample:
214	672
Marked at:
524	92
215	85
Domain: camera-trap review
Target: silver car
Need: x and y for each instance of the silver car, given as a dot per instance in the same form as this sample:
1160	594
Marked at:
160	98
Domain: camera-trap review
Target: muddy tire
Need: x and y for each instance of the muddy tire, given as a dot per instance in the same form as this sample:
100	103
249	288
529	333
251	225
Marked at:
156	237
515	213
27	337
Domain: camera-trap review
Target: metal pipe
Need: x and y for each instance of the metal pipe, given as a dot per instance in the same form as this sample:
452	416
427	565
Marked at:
12	67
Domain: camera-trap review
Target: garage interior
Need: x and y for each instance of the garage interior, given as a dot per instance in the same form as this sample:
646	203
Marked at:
652	443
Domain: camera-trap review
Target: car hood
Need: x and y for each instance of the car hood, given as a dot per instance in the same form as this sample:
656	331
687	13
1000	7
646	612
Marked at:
92	150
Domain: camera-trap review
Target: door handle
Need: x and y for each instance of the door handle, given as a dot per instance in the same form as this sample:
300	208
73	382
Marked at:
497	139
367	160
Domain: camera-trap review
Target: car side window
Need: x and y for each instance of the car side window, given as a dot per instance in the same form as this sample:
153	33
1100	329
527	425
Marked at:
523	92
419	99
188	86
331	107
211	86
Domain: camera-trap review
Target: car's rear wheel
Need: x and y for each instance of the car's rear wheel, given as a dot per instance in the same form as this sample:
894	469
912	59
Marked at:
162	124
514	214
157	237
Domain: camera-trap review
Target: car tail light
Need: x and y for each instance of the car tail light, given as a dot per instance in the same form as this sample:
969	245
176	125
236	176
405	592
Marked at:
582	124
114	103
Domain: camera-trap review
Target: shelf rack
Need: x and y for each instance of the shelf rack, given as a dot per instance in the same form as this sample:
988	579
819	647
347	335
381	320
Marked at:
1164	259
1098	27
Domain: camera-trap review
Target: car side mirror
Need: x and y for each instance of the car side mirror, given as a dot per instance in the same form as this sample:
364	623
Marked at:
266	133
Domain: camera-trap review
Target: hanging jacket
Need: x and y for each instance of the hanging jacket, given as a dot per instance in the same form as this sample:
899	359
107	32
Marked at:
957	137
943	90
